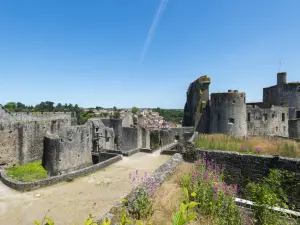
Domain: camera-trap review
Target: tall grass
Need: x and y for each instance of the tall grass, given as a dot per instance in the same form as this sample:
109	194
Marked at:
29	172
252	145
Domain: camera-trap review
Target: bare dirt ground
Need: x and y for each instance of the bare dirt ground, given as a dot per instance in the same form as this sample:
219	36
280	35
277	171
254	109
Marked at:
72	202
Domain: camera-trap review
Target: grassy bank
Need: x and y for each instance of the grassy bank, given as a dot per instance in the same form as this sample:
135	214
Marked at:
253	145
29	172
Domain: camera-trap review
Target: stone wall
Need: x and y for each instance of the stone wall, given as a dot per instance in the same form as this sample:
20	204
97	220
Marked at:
36	116
294	128
4	115
182	132
155	139
143	138
164	137
27	186
240	169
103	137
130	138
116	124
68	150
267	121
22	142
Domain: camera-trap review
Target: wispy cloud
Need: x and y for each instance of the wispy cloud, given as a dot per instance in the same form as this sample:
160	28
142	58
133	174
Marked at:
162	7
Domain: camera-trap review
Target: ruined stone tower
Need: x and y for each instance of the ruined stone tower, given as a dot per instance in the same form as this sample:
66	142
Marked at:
228	113
196	101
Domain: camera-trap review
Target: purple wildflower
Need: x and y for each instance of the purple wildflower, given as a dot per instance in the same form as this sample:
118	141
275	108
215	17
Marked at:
258	149
244	148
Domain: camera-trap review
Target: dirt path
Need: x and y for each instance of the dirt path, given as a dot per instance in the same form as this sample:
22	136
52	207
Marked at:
72	202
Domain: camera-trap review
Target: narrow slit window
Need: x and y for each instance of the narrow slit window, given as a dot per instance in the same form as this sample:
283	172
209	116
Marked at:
249	117
283	117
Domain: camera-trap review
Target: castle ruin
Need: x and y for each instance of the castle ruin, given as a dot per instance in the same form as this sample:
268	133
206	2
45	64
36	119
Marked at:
228	112
63	146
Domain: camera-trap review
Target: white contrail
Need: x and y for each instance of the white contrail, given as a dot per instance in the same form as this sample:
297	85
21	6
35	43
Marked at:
158	15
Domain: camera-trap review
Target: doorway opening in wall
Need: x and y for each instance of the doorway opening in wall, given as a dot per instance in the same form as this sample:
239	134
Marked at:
266	117
298	114
276	129
249	117
283	128
283	117
230	121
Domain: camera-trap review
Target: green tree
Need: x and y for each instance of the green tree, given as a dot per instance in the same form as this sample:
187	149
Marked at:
134	110
59	107
10	106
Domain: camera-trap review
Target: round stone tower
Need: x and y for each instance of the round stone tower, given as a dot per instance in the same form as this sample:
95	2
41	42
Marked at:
281	78
228	113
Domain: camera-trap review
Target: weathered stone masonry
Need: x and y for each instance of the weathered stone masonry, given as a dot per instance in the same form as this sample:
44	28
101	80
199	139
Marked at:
241	169
69	150
228	112
22	141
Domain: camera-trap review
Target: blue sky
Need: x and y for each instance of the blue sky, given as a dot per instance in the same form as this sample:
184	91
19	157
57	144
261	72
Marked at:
93	52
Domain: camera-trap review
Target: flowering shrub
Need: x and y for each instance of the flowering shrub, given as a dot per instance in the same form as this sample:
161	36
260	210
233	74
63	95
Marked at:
137	178
141	206
215	198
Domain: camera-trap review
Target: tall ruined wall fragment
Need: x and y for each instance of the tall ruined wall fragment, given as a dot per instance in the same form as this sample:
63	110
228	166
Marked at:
69	150
116	125
127	120
196	101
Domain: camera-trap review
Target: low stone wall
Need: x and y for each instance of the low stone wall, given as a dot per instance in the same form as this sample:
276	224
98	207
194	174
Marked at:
27	186
241	169
158	177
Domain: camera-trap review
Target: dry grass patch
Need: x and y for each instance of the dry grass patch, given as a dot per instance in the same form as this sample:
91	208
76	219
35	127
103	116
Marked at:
169	196
253	145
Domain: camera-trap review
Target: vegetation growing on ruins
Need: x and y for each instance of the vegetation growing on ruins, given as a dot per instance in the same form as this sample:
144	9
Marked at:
29	172
197	194
269	193
216	199
250	145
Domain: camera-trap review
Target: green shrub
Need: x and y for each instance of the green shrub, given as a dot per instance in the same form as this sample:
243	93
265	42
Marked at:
269	193
141	207
29	172
184	216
